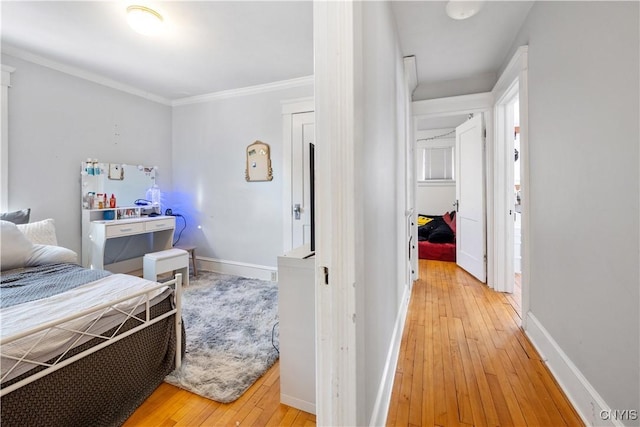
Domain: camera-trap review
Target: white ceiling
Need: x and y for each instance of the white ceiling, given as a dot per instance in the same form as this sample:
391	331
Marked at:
447	49
210	46
206	47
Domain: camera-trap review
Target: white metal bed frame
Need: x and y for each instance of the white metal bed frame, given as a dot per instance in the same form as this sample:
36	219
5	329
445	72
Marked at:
138	299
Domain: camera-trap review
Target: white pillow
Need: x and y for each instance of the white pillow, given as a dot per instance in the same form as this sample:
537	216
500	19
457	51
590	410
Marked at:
40	232
47	254
14	246
18	251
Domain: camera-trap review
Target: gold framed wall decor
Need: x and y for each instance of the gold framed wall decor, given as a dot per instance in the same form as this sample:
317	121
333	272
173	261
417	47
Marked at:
258	162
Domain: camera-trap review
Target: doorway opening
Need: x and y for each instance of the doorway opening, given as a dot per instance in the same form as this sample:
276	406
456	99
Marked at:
298	131
450	151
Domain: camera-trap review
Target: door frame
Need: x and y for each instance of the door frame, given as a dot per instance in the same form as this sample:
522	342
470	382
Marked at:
289	108
466	104
513	78
4	146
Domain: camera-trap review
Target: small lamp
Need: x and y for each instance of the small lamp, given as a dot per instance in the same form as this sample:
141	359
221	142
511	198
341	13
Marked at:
155	196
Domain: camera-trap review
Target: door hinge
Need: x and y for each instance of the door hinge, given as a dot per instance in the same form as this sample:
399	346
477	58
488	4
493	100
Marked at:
325	272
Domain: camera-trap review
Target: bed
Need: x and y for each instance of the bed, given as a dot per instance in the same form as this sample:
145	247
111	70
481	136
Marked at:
78	346
437	237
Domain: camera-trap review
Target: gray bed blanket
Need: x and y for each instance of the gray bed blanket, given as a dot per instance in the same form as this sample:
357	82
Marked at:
28	284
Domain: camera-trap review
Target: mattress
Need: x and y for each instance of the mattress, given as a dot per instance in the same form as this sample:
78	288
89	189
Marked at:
17	320
437	251
101	389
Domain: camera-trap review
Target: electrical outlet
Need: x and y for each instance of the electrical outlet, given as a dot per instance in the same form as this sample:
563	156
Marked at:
274	276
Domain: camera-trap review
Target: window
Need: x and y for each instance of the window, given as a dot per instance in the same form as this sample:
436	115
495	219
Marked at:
436	160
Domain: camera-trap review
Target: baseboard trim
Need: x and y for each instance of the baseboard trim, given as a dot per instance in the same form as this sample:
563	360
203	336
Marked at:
383	398
236	268
584	398
298	403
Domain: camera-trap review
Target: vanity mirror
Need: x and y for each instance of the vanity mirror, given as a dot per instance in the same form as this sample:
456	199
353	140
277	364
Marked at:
127	183
117	232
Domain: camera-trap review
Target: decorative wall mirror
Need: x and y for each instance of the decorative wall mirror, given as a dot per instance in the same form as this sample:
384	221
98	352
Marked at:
258	162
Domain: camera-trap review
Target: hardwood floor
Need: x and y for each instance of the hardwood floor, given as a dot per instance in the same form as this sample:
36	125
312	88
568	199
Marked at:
463	361
258	406
515	299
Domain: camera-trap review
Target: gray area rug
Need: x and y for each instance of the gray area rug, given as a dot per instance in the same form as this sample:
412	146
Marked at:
229	323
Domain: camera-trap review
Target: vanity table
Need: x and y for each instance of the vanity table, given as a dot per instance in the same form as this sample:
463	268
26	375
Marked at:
116	239
120	245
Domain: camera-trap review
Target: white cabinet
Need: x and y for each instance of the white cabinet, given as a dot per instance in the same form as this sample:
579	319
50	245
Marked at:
296	309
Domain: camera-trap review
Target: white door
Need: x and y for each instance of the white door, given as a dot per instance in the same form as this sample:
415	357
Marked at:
470	195
303	130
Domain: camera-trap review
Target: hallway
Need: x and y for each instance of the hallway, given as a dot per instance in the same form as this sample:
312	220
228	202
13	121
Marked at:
465	361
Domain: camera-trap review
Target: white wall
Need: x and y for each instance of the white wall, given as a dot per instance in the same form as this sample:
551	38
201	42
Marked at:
584	188
435	198
56	121
241	221
381	173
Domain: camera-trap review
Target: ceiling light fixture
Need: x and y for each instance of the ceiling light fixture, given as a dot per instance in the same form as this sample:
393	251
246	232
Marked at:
144	20
462	9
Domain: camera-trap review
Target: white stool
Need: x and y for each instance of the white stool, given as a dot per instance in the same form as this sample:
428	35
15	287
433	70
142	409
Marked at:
156	263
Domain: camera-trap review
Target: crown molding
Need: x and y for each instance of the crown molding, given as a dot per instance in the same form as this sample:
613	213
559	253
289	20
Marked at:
249	90
83	74
104	81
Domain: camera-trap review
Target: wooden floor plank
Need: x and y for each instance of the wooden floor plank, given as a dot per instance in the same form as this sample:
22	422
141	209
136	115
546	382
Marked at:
415	402
465	413
393	411
402	416
428	382
440	409
449	378
500	403
486	397
520	406
478	416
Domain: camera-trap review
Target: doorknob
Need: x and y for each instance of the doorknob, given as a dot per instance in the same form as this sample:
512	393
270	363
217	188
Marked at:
456	204
297	209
